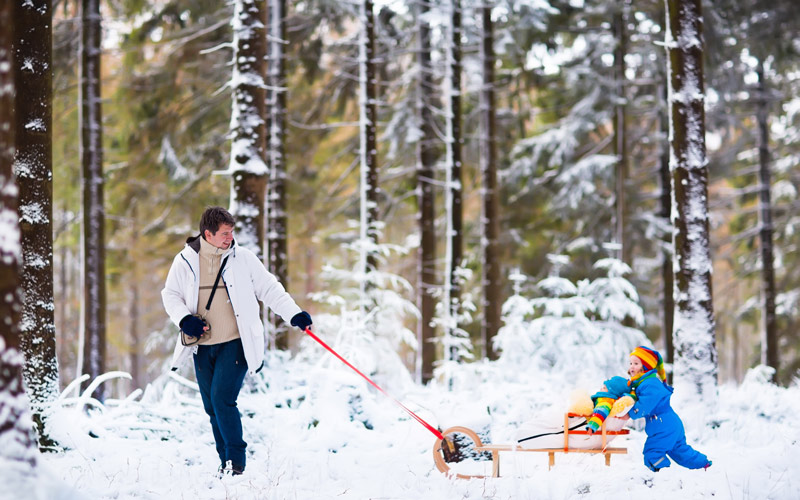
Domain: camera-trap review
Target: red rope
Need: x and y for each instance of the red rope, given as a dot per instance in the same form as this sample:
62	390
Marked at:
414	415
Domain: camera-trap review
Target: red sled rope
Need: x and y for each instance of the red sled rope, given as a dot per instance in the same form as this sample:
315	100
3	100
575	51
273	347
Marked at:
401	405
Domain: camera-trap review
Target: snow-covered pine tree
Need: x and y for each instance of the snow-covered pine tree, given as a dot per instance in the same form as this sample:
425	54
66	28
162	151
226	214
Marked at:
247	168
620	28
573	327
277	234
94	335
455	339
367	145
17	442
753	60
696	366
33	168
769	332
427	156
490	194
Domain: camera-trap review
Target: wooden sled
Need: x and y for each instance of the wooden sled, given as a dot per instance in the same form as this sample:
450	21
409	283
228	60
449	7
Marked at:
495	449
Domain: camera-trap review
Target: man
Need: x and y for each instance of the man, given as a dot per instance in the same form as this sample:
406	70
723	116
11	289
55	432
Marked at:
226	336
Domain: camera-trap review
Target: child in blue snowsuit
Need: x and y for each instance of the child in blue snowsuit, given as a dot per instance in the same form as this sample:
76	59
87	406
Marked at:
664	428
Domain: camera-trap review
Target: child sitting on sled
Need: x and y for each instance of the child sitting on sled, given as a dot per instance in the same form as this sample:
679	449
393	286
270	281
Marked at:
613	399
664	428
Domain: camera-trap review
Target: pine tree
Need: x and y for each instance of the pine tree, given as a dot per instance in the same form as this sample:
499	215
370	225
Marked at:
696	355
94	342
34	171
454	247
247	167
276	201
368	152
17	442
426	161
490	224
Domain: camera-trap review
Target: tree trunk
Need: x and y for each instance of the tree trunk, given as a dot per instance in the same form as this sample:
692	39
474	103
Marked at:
134	346
247	167
277	237
492	300
368	153
620	139
17	441
769	333
426	174
667	276
696	355
94	347
34	171
453	186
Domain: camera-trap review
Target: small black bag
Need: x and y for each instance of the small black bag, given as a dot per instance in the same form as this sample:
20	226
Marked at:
190	340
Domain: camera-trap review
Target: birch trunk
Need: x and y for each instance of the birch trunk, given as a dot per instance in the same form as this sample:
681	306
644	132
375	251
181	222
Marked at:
94	346
426	174
247	166
769	332
492	301
17	442
696	355
34	171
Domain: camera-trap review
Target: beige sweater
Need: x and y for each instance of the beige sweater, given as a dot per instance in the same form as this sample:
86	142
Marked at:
220	317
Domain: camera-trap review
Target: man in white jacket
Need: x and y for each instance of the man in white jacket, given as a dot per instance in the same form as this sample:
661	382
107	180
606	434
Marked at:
212	293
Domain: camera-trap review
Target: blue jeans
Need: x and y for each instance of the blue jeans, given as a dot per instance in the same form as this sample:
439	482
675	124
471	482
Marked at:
220	371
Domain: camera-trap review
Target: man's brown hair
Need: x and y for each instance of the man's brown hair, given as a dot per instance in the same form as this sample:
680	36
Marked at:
213	217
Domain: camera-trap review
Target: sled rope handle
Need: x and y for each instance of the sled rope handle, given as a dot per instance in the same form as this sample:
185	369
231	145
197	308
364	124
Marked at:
552	433
413	415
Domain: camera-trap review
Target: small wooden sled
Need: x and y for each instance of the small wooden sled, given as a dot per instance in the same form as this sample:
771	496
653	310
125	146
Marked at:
442	464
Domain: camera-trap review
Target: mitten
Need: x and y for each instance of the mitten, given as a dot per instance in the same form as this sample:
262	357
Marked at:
621	406
301	320
192	326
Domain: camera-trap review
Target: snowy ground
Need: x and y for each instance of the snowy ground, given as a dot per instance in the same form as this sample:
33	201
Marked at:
318	431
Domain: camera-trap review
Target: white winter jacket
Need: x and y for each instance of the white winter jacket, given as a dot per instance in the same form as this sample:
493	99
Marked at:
246	280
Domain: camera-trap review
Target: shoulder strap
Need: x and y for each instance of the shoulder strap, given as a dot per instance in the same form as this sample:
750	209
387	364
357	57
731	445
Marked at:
216	282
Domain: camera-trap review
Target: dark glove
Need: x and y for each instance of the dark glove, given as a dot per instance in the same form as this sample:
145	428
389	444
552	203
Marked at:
301	320
192	326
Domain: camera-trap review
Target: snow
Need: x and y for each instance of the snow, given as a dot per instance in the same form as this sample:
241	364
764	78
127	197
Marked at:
316	430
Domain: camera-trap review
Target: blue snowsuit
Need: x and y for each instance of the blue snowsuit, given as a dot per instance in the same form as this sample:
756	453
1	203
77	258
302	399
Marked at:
664	428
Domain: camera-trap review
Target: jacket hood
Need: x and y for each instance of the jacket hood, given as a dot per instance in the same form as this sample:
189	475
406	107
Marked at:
193	242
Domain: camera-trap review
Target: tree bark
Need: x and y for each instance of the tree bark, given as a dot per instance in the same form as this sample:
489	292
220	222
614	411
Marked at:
17	442
667	276
620	139
696	355
769	333
278	234
492	300
368	153
247	167
426	174
454	253
134	346
34	171
94	348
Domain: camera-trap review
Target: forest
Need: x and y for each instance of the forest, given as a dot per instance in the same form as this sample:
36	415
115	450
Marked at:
439	184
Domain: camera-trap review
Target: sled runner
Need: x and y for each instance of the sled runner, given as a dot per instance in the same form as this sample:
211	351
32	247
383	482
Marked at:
456	446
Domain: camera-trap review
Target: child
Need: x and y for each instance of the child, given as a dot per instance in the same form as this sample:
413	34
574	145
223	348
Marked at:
664	428
614	389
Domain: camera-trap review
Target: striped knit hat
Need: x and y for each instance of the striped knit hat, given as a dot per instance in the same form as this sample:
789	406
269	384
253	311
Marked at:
651	359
